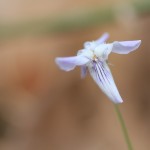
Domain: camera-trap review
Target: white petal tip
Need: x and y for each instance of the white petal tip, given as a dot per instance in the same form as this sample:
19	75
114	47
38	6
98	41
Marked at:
118	101
139	42
103	38
106	34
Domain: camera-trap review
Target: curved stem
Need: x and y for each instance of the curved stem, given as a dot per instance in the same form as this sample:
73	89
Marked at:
123	126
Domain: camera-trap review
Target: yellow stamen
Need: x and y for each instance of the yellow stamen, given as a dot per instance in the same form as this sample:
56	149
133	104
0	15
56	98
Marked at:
94	57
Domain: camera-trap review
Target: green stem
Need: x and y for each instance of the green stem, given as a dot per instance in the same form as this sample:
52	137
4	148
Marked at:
123	126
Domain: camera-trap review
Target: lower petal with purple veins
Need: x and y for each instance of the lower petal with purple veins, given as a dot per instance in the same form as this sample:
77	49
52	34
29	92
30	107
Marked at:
103	77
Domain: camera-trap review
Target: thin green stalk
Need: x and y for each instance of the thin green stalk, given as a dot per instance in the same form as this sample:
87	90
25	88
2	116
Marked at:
124	129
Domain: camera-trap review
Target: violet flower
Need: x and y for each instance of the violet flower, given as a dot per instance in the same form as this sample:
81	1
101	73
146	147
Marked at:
93	57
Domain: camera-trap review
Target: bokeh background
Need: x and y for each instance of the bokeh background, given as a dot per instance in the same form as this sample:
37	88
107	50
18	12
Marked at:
44	108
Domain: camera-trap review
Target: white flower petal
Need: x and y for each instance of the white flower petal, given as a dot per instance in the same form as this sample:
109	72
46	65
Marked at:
85	53
103	50
69	63
103	77
103	38
90	45
125	47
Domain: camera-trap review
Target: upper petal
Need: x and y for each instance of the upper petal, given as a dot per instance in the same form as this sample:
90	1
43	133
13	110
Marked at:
85	53
103	50
103	38
93	44
90	45
125	47
69	63
103	77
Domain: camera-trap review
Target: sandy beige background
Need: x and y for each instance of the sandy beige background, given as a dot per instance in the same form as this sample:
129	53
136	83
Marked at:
44	108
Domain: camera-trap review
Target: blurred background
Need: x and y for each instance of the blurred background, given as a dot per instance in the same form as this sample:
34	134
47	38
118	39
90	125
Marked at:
44	108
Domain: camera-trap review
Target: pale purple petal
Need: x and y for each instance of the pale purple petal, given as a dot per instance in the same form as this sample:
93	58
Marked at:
103	50
103	77
103	38
90	45
125	47
83	71
69	63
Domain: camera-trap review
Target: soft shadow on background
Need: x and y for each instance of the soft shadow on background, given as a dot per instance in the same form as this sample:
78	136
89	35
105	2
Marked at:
42	107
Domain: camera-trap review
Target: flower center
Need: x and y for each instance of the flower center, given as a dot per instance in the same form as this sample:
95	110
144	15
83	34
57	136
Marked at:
95	57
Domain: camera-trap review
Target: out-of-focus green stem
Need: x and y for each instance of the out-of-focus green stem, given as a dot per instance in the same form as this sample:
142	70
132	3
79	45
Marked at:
124	128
